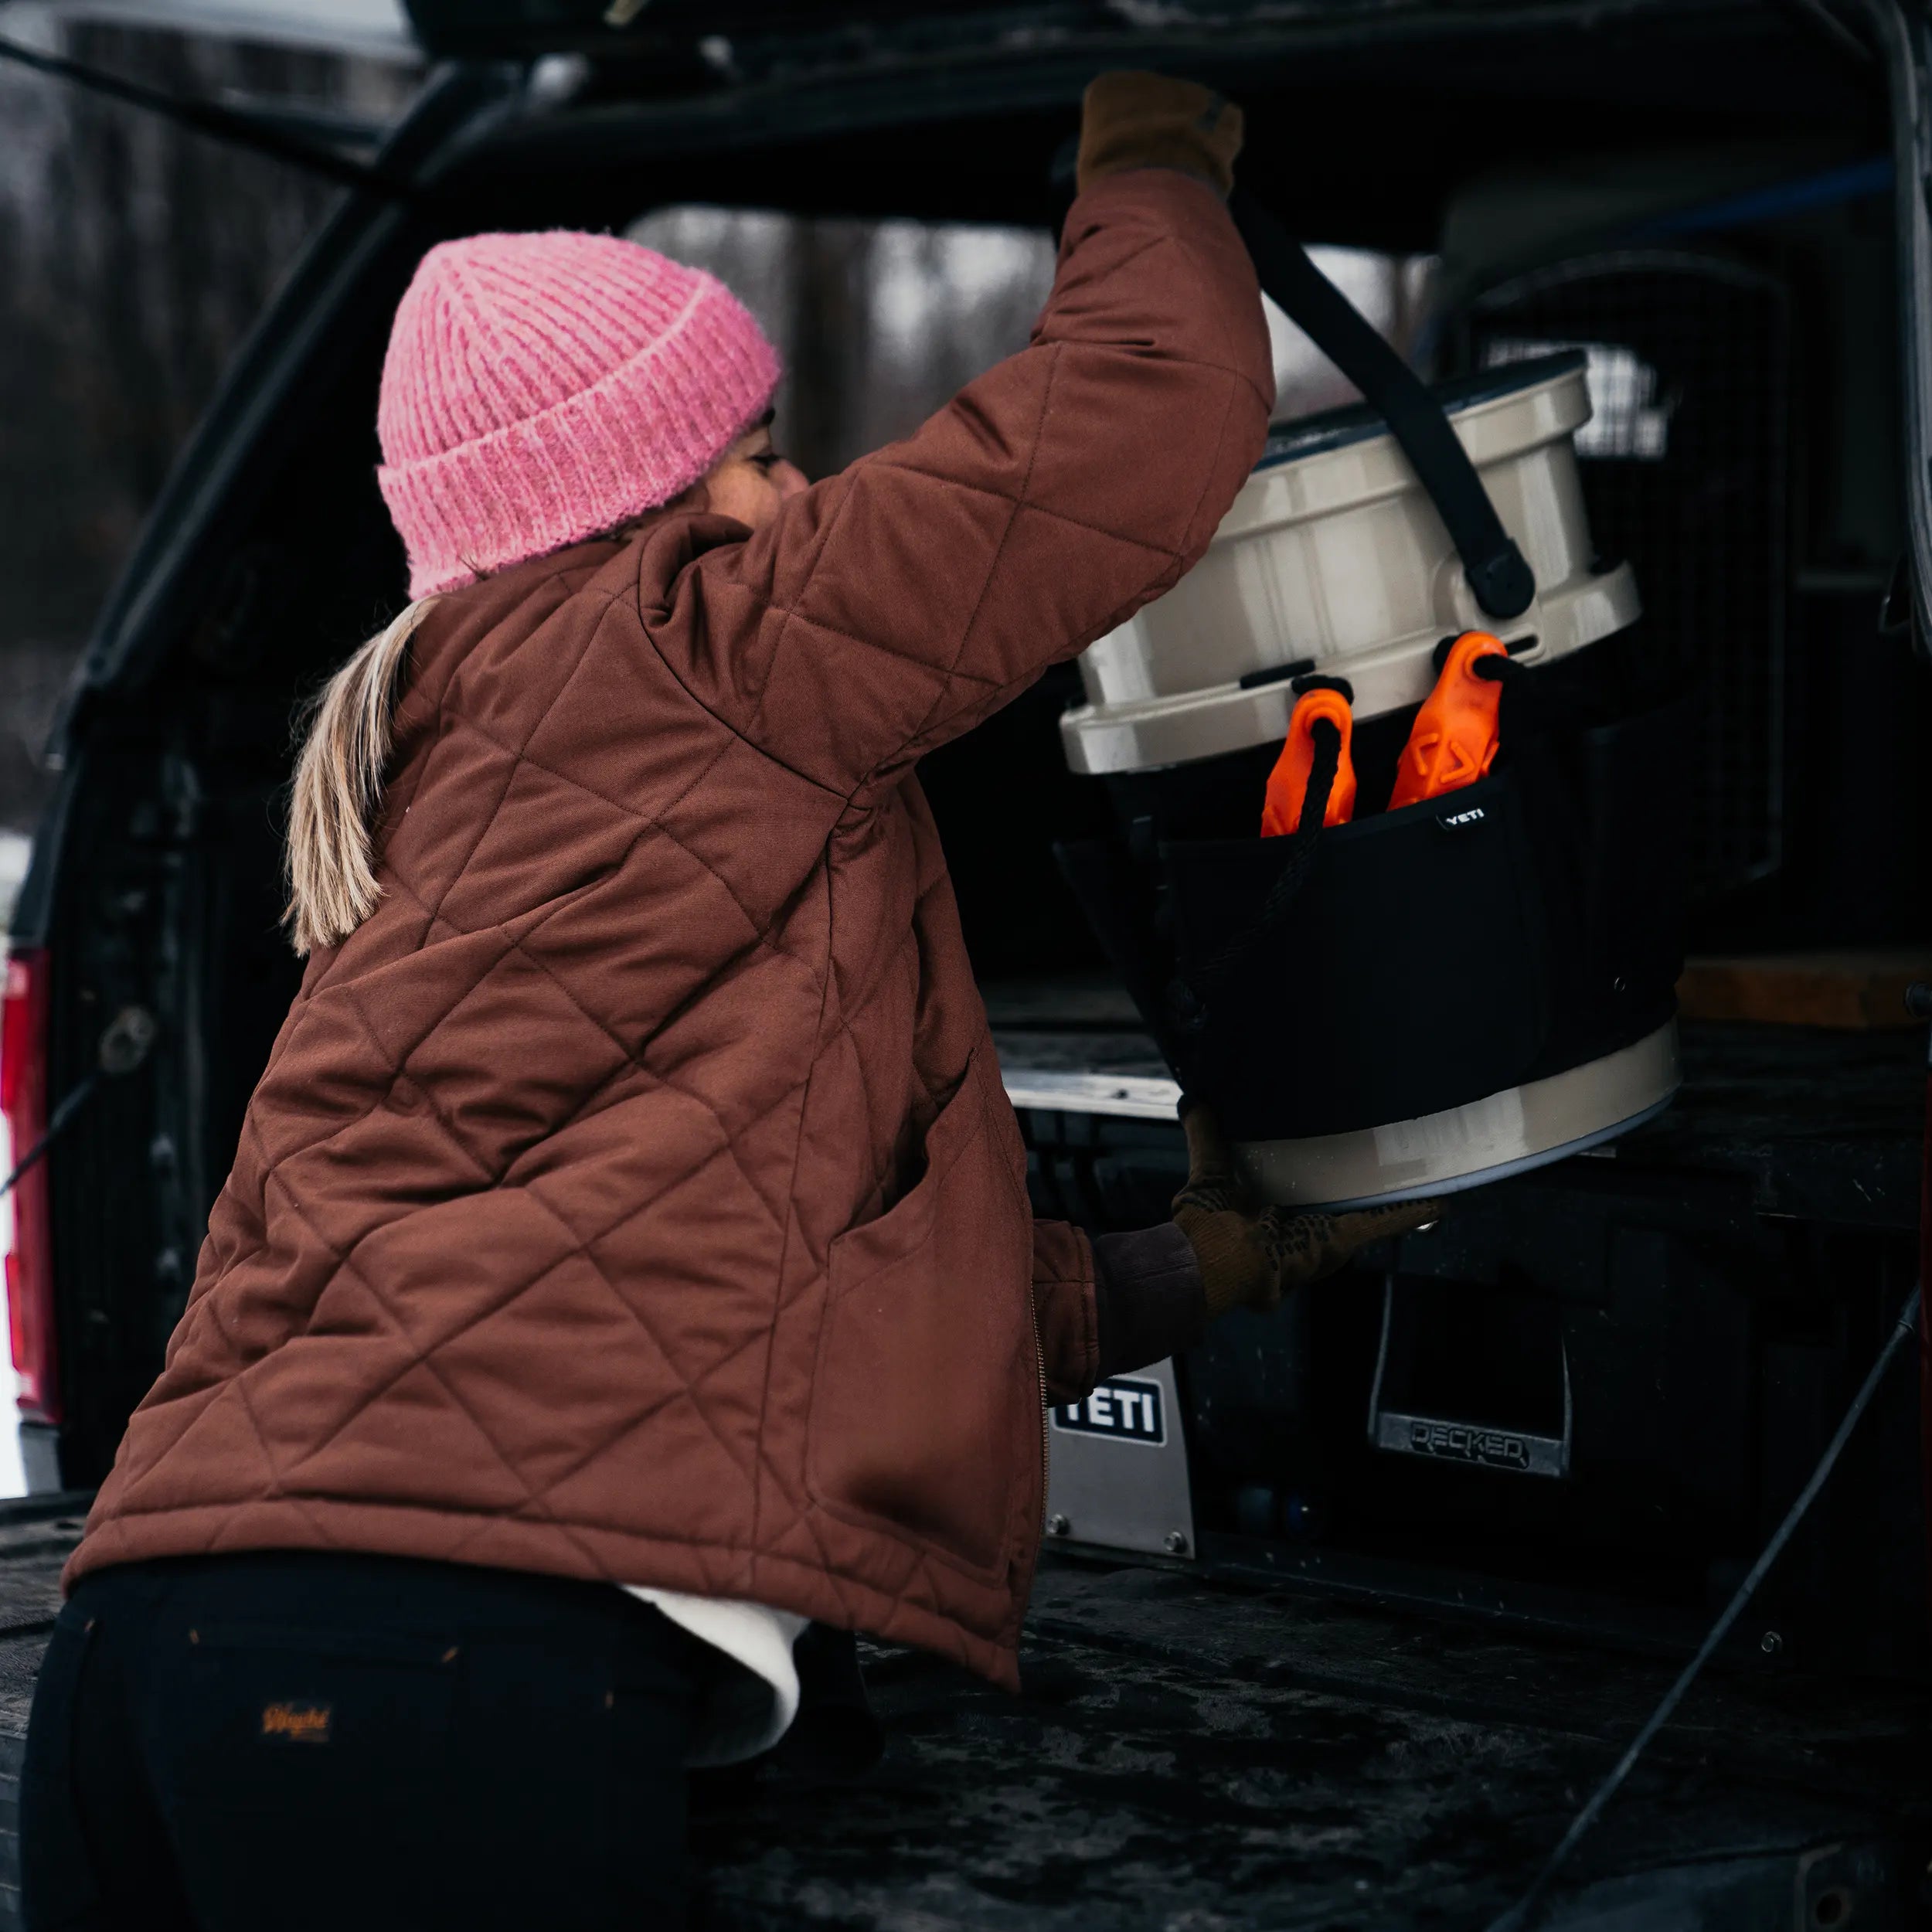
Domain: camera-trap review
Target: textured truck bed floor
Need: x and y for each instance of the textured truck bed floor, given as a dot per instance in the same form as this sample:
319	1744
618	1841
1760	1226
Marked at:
1190	1757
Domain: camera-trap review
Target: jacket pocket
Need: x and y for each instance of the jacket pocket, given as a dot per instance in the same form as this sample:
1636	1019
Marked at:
922	1420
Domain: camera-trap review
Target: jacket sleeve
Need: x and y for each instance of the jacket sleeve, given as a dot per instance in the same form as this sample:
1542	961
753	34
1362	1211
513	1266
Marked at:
892	606
1109	1306
1064	1305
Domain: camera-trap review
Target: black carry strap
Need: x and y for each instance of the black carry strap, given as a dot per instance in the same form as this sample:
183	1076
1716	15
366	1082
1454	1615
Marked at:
1499	576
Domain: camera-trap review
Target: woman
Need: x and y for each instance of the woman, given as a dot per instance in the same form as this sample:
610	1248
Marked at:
630	1198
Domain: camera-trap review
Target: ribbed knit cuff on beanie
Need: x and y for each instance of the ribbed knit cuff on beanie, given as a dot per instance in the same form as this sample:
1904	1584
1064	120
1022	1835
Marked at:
540	389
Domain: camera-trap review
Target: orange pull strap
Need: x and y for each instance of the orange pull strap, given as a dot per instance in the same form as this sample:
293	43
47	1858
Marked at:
1452	741
1288	782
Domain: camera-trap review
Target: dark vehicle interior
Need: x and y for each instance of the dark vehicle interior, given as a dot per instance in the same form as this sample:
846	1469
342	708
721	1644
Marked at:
1701	191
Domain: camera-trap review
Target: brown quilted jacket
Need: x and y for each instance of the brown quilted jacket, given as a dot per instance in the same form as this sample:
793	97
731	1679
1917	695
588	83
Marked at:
634	1195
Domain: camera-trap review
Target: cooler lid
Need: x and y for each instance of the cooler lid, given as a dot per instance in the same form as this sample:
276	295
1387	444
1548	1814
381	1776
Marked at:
1358	422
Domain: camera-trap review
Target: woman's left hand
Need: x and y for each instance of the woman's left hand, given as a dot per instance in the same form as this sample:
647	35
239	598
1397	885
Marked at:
1250	1259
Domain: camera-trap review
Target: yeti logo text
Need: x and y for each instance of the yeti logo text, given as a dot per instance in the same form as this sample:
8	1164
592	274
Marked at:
1460	1442
1128	1410
1455	820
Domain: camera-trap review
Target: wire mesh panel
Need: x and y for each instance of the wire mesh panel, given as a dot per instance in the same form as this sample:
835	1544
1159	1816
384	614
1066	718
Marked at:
1684	472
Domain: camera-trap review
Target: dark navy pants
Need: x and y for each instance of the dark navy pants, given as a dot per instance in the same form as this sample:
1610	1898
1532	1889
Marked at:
253	1743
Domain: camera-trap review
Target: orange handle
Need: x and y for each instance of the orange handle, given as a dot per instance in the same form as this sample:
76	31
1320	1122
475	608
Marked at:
1452	741
1288	782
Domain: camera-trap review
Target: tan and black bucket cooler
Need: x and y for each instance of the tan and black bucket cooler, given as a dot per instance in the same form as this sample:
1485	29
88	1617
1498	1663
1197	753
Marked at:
1426	999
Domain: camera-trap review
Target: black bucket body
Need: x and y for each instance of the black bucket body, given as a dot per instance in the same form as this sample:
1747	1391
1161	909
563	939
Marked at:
1411	961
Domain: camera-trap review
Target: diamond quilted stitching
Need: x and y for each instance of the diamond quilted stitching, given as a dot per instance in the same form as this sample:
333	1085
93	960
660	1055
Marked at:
627	953
592	733
517	863
528	664
218	1437
602	1373
755	933
406	1262
433	847
511	1056
418	1445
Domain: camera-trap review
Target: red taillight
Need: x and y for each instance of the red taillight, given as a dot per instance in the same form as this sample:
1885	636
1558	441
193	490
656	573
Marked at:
23	1099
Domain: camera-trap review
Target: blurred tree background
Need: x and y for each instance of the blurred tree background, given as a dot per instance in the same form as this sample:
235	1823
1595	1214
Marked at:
133	257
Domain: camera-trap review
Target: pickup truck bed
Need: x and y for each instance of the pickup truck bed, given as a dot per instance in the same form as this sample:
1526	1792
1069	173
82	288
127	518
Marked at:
1196	1754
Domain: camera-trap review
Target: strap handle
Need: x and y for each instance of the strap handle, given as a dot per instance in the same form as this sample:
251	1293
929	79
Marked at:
1498	574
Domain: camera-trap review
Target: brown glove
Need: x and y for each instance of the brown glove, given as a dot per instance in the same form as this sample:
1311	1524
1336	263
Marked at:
1150	120
1250	1260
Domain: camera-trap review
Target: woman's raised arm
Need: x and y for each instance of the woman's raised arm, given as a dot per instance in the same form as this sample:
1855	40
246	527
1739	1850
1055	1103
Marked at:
893	605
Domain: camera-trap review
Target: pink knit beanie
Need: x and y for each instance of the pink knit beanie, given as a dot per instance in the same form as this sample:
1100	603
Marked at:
539	389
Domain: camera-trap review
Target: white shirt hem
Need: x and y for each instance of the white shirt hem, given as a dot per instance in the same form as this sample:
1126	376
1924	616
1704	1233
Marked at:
747	1710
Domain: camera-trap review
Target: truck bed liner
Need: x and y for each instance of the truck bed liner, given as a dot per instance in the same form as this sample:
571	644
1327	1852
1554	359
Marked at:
1188	1755
1192	1754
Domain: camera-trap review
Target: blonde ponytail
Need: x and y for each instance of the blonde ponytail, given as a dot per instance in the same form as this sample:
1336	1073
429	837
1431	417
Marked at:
339	790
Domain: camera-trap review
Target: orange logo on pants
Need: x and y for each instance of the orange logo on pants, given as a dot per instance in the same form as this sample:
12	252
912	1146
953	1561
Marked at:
292	1723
